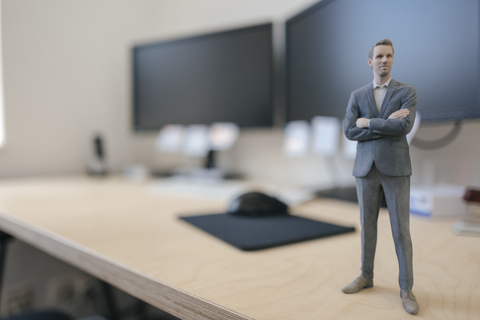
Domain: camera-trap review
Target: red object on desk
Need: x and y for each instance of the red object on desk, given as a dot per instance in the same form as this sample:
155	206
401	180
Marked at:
472	195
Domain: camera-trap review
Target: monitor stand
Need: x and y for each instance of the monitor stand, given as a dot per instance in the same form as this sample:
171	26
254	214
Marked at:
210	167
208	172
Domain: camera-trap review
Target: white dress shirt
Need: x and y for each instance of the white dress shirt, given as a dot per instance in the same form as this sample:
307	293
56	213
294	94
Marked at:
379	92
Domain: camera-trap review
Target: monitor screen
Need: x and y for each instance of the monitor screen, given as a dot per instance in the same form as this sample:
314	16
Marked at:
217	77
437	49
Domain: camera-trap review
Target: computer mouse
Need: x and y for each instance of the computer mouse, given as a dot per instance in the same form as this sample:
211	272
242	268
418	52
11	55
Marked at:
255	204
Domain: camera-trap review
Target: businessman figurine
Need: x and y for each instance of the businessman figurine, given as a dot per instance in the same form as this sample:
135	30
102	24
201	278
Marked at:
379	116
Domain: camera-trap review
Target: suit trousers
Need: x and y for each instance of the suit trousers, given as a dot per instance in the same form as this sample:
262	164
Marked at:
370	190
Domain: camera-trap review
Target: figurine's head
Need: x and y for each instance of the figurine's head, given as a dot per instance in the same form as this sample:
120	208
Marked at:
383	42
380	58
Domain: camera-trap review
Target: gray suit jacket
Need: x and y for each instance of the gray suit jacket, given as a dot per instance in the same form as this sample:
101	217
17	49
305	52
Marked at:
384	142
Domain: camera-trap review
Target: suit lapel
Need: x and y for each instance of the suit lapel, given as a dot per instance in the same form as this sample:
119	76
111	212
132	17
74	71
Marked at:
391	88
371	100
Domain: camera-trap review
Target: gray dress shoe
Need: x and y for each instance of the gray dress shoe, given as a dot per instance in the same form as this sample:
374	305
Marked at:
409	301
357	285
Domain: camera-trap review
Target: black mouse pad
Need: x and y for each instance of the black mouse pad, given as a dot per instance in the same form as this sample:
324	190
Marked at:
255	233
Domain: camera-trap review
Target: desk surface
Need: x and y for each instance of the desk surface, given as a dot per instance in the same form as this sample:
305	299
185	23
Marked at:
123	233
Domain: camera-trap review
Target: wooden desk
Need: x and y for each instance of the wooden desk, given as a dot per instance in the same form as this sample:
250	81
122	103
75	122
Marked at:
122	233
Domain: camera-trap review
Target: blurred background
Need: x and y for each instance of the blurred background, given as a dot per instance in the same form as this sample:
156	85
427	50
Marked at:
67	78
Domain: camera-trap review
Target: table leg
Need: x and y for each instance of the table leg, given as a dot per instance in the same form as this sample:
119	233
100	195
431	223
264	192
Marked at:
3	252
110	301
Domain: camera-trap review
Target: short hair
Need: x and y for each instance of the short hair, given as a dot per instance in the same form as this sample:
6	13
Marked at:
383	42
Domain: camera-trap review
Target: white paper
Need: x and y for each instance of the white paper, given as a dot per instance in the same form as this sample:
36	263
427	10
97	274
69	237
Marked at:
223	135
326	131
349	147
296	138
169	139
196	143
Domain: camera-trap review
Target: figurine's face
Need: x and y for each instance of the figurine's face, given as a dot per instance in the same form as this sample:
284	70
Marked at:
382	60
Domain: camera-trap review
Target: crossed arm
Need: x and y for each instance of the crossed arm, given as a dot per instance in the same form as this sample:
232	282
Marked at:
399	114
400	122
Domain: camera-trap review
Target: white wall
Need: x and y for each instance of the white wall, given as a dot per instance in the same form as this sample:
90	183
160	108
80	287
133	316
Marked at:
67	76
457	163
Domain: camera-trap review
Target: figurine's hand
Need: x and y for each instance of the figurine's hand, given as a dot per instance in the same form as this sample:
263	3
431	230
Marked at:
399	114
362	122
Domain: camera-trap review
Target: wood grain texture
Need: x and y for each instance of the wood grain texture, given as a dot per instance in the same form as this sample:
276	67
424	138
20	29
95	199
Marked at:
125	234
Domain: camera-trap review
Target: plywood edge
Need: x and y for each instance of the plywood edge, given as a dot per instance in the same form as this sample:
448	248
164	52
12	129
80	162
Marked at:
169	298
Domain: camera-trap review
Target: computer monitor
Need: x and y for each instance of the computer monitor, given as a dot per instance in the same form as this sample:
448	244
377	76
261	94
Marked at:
217	77
437	49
